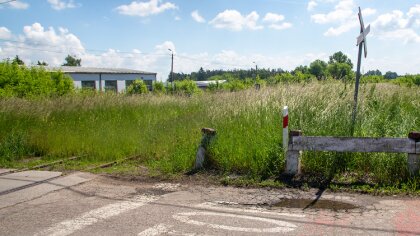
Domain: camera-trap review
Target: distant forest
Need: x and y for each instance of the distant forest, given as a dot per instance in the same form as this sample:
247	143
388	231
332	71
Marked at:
338	67
202	74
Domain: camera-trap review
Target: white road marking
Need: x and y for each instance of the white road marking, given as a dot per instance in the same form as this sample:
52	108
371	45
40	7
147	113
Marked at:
282	226
68	227
215	206
164	229
156	230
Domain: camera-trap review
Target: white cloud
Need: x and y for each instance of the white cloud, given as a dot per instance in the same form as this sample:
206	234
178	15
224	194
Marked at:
273	18
177	18
343	17
165	46
144	9
5	33
233	20
18	5
61	5
38	43
342	11
398	26
281	26
311	5
274	21
197	17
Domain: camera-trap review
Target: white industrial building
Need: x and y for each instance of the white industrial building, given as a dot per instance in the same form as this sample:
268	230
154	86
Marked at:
105	79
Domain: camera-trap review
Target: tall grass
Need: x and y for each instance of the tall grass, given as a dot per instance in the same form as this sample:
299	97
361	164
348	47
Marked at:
164	131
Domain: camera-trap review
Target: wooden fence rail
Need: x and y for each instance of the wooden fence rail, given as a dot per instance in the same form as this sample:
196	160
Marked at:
298	143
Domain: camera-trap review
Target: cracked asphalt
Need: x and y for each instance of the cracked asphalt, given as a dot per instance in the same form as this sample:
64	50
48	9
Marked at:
44	203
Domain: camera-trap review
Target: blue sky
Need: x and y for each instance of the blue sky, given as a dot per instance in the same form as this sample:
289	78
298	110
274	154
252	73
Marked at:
213	34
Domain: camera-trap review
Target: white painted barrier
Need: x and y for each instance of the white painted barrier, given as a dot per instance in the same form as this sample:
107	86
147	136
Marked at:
285	128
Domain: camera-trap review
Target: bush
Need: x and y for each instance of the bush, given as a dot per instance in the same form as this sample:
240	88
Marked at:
137	87
408	80
21	81
186	87
158	87
372	79
234	85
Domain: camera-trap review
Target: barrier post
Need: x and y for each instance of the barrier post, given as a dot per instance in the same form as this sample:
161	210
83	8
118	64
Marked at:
293	156
285	129
414	158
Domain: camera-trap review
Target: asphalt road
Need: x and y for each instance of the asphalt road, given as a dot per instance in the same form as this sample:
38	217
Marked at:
46	203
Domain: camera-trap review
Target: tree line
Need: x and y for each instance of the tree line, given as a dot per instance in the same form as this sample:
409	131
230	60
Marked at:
68	61
338	67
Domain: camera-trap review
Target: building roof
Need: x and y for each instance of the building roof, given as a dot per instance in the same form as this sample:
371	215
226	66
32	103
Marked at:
94	70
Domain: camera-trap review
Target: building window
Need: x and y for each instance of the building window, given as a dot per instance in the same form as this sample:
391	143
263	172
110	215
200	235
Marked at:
148	82
111	85
90	84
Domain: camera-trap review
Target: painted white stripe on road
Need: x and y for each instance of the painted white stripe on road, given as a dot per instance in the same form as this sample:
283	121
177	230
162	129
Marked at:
68	227
156	230
282	226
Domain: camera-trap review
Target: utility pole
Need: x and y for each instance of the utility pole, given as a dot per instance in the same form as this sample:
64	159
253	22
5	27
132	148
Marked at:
257	86
172	68
256	70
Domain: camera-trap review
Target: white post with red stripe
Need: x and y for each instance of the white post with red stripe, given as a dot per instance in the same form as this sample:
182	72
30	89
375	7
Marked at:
285	128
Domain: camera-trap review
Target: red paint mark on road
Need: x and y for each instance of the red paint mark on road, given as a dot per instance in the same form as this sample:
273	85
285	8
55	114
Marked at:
325	225
407	222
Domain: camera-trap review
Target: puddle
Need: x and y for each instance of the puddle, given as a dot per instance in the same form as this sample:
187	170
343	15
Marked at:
312	204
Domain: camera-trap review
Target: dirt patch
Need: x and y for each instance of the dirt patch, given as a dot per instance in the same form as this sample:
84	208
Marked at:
314	204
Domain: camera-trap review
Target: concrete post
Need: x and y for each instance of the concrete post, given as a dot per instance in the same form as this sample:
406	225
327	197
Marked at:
293	156
414	158
208	135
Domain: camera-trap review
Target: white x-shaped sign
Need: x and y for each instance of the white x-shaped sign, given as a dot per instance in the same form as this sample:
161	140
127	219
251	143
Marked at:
363	32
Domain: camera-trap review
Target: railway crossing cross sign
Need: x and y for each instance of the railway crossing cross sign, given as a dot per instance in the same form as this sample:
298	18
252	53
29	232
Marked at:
361	42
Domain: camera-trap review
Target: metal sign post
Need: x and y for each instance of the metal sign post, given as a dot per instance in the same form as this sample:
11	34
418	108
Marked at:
361	41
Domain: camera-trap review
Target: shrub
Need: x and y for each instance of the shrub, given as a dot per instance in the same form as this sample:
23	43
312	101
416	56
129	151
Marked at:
137	87
186	87
21	81
408	80
158	87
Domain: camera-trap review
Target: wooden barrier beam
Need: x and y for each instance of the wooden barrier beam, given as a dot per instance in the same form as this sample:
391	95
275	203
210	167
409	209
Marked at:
298	143
347	144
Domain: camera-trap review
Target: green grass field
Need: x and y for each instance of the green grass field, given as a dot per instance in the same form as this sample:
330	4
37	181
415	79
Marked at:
164	131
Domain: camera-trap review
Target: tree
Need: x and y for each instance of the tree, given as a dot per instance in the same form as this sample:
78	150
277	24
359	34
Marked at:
201	75
390	75
17	61
340	57
302	69
318	68
42	63
374	72
339	70
72	61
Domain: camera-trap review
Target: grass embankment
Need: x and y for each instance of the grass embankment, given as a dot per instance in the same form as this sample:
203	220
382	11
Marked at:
164	131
